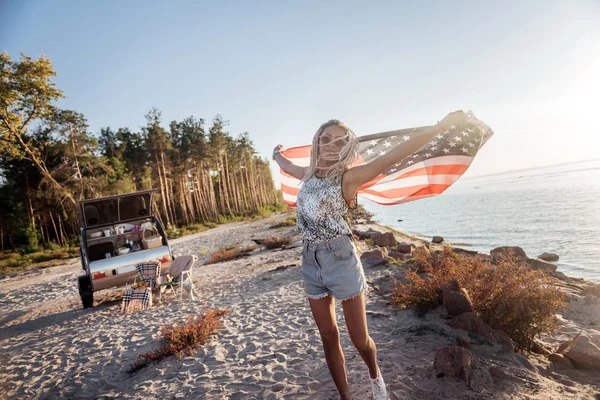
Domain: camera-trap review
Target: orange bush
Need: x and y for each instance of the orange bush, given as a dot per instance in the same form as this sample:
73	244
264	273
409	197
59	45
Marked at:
183	339
276	242
509	296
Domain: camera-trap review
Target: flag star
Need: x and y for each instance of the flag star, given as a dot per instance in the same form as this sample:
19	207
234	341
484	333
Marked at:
457	138
415	155
452	144
452	126
392	137
440	136
397	164
427	154
373	142
405	137
410	162
369	151
464	149
446	151
433	143
470	130
393	170
381	152
387	144
471	145
433	147
465	133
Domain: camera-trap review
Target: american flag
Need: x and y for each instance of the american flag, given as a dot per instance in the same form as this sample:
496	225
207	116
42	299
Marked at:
425	173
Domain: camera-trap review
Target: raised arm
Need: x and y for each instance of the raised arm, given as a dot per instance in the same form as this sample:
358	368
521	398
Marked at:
357	176
286	165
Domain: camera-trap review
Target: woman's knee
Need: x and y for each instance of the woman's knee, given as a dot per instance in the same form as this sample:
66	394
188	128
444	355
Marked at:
330	335
364	344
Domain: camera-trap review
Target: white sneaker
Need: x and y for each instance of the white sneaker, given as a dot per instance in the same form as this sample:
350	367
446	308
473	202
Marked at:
378	387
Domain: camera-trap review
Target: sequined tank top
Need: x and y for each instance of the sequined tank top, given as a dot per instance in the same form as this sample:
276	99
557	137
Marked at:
321	210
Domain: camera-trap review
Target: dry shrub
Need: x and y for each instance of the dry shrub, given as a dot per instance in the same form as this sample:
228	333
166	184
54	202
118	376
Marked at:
183	339
509	296
276	242
291	221
221	255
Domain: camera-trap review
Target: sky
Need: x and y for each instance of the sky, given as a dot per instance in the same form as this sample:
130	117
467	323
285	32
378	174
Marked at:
277	70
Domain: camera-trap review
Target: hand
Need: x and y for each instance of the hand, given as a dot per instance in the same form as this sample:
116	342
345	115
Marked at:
276	150
454	118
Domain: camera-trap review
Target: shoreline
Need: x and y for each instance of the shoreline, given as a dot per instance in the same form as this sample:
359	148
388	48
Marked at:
269	346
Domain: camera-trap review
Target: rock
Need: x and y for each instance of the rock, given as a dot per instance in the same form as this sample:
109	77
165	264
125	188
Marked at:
584	351
384	239
560	360
373	261
539	348
362	235
398	256
465	252
536	263
548	256
405	248
561	276
506	252
452	284
463	342
471	323
593	290
503	339
456	300
437	239
455	362
381	253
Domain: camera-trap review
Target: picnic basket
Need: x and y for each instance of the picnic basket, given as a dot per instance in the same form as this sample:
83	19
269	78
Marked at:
153	241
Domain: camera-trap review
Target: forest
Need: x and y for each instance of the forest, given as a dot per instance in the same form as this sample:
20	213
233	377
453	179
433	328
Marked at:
49	161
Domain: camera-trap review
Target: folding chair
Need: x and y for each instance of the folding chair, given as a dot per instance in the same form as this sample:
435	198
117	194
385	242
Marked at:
181	274
138	296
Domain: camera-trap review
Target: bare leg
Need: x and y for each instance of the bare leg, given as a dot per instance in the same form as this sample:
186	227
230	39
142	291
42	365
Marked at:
356	321
323	311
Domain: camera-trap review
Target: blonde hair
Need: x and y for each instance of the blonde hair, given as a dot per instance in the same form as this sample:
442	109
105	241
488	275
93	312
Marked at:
346	156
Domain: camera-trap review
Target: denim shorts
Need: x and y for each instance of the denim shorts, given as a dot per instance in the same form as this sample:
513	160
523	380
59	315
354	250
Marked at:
332	268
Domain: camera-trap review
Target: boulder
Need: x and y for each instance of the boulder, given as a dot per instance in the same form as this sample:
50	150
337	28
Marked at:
548	256
507	251
437	239
536	263
465	252
593	290
463	342
456	300
373	261
381	253
398	256
503	339
404	248
384	239
539	348
560	360
583	351
559	275
471	323
362	235
454	361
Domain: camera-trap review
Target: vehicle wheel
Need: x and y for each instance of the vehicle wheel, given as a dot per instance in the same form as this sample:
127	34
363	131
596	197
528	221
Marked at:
85	291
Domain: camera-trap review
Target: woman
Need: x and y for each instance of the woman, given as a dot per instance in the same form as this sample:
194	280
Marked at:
330	263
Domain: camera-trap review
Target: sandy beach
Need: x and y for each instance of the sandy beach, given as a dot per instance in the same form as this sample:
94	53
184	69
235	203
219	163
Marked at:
269	347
